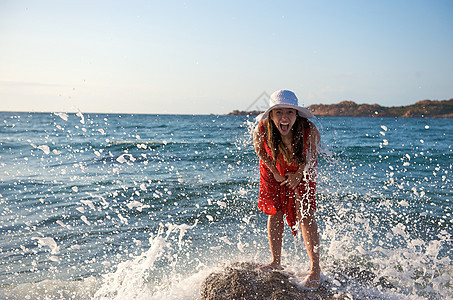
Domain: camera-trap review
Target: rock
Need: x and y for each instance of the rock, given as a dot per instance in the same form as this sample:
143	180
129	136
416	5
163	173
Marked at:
242	280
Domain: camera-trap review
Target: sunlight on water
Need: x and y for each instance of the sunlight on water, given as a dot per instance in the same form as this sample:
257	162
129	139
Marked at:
145	207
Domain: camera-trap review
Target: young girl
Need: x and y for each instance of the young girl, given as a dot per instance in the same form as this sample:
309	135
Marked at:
286	143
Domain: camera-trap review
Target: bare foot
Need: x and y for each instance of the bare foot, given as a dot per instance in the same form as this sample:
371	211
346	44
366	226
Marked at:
311	283
270	267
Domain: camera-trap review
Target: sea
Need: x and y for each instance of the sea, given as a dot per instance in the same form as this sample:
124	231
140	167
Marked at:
136	206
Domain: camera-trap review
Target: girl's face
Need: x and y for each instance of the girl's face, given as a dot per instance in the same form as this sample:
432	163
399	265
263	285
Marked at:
284	119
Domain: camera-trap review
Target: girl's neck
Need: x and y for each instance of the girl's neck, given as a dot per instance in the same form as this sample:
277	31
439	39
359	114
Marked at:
288	139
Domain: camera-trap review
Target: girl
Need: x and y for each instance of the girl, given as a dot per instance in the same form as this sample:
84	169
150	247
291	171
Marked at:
286	143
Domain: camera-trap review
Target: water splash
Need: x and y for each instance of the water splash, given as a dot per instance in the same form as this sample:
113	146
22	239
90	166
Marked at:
374	209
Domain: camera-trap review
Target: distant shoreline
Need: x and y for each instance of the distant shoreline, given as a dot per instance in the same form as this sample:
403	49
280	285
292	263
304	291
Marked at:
421	109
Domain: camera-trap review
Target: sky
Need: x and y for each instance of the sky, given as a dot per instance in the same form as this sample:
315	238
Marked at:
203	57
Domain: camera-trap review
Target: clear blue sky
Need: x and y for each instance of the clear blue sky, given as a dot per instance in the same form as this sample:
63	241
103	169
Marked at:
201	57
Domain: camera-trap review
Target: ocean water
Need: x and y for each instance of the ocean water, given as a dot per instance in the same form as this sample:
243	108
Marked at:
106	206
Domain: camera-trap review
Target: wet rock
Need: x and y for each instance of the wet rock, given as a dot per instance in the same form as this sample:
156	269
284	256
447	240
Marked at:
244	281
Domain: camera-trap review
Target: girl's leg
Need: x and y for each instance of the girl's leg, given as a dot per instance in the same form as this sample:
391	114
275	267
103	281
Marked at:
310	233
275	229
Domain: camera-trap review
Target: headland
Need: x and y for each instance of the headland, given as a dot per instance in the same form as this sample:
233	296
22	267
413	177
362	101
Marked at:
421	109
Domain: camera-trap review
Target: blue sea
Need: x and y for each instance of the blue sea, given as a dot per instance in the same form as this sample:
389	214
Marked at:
121	206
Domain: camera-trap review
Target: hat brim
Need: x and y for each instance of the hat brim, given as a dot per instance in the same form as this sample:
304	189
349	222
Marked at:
301	111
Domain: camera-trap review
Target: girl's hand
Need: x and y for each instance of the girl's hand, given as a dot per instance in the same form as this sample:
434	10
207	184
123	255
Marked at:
279	177
292	180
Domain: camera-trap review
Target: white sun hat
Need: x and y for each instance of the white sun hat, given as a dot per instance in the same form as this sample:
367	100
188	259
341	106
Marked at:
285	99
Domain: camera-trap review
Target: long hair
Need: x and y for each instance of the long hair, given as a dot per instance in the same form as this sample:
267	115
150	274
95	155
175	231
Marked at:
275	142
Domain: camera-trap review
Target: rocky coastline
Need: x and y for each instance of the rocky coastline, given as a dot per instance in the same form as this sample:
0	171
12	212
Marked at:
421	109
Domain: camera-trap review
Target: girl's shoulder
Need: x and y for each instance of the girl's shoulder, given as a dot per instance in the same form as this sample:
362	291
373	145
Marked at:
262	125
312	126
259	133
313	131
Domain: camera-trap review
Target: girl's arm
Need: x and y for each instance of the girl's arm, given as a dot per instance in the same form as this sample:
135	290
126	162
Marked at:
258	142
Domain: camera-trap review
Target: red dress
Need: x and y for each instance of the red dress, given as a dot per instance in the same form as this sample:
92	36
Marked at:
273	197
